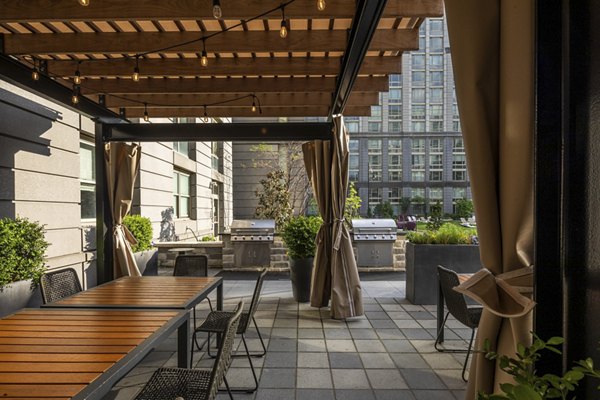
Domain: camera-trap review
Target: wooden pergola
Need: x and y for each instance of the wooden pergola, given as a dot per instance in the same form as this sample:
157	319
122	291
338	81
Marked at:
332	61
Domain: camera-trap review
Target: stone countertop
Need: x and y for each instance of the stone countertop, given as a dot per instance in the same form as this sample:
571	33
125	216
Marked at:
183	244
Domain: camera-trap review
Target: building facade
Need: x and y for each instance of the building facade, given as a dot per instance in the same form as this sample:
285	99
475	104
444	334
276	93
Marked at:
410	151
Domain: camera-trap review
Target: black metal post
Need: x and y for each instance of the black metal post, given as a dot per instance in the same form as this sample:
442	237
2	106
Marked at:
104	225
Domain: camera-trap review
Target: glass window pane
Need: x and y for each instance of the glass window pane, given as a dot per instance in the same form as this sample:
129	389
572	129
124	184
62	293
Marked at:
418	78
436	95
88	201
184	184
87	167
184	206
436	44
418	95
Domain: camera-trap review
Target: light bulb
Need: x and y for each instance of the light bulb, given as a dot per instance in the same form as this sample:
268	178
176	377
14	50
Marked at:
84	3
253	107
146	117
320	5
283	31
217	11
136	74
204	59
75	95
77	79
35	75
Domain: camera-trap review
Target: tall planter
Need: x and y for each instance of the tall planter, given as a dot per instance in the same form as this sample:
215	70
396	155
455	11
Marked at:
147	262
301	275
421	267
19	295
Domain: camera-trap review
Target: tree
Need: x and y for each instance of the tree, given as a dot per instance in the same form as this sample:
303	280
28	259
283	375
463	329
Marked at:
384	210
435	216
353	202
274	198
464	208
404	204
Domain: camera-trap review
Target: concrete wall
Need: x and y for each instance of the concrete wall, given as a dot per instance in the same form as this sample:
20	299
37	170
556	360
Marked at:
39	174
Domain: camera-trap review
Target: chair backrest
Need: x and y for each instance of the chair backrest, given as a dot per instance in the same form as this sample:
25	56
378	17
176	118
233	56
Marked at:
191	265
223	359
57	285
457	306
255	299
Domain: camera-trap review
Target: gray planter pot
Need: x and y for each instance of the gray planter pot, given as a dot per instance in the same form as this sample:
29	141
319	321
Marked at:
421	267
147	262
301	275
19	295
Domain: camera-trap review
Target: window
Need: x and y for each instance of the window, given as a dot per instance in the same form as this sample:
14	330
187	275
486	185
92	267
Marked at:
458	145
418	111
395	80
395	126
418	95
436	61
436	111
436	194
353	145
395	146
181	194
375	196
436	78
418	126
455	111
374	126
394	196
353	168
418	61
352	126
418	167
395	96
395	167
87	180
436	95
395	112
182	148
459	167
435	167
418	200
456	126
375	160
418	146
214	147
375	112
421	44
436	44
458	194
436	126
436	146
436	27
418	78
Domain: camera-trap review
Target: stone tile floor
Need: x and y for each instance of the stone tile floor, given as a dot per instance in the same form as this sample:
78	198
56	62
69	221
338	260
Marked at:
387	354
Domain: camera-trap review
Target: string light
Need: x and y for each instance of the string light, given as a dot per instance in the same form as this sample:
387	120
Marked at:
217	11
253	106
77	79
205	119
146	117
204	56
75	95
320	5
35	74
84	3
136	70
283	31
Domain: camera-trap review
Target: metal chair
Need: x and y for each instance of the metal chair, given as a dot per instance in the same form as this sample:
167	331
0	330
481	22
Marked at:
192	384
457	306
57	285
215	323
192	265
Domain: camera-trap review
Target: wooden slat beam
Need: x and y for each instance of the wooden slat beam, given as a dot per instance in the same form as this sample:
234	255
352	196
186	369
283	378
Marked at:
224	67
310	111
232	41
227	85
266	100
118	10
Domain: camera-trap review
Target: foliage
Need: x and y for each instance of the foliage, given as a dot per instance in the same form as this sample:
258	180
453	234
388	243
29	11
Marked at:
208	238
299	235
435	216
384	210
404	205
353	202
448	233
141	229
274	199
464	208
22	249
369	212
527	384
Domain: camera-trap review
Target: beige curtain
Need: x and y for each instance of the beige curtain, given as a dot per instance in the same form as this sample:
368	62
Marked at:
492	44
122	165
336	272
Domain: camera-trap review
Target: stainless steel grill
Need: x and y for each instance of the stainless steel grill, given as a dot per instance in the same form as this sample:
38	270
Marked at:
251	240
374	240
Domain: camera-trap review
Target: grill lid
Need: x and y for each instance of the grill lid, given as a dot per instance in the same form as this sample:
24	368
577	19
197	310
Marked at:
374	229
249	225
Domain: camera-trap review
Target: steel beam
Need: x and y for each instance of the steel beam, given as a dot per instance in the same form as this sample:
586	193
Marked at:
364	24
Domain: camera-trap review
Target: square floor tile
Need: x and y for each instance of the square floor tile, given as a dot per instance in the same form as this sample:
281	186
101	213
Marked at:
311	345
313	360
315	394
310	333
284	333
441	361
398	346
386	379
280	359
272	394
345	394
313	378
335	345
377	360
369	346
278	378
390	334
345	360
409	360
337	334
384	394
279	344
350	379
433	395
363	333
422	379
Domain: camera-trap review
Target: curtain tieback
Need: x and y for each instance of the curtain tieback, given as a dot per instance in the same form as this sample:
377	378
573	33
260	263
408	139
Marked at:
123	230
503	294
338	230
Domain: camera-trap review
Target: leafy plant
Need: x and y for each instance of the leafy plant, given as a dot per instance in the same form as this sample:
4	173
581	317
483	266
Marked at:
22	250
435	216
384	210
464	208
274	199
448	233
141	229
353	202
404	204
528	385
299	235
208	238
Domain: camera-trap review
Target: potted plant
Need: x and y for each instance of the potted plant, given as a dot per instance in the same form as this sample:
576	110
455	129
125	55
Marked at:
146	257
299	235
451	246
22	250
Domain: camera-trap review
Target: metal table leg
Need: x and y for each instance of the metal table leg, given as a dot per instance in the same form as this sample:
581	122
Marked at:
440	313
182	344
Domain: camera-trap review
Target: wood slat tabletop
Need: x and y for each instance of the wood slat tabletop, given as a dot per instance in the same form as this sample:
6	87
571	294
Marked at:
71	353
144	292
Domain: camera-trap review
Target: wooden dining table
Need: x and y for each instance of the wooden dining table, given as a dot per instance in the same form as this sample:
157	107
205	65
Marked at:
149	292
440	306
77	353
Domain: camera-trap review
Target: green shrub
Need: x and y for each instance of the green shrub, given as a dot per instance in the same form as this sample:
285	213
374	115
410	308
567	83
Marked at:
299	235
448	233
141	228
208	238
22	249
